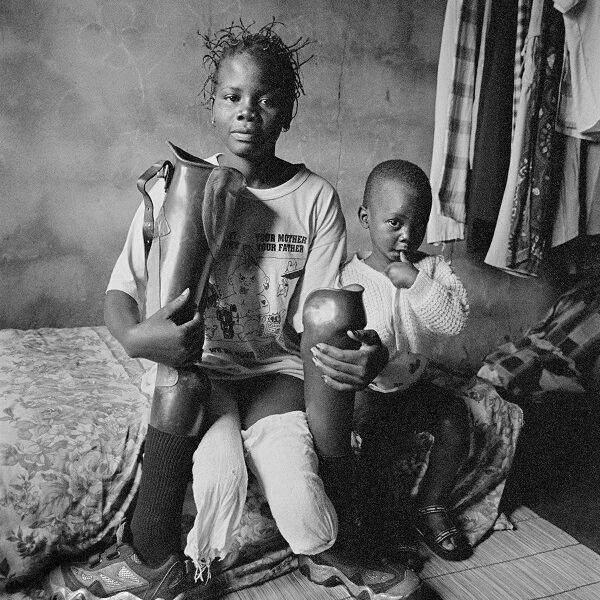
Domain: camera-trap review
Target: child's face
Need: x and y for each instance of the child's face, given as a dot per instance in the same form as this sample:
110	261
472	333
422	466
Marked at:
396	220
249	110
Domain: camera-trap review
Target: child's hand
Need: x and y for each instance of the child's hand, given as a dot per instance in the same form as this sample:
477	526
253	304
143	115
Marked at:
352	370
160	339
402	274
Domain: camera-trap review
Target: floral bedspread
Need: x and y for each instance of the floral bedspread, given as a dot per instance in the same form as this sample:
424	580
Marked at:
72	427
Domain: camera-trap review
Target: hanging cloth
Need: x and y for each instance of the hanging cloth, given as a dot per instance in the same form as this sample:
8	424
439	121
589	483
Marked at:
542	48
491	154
539	172
523	14
579	110
578	210
453	119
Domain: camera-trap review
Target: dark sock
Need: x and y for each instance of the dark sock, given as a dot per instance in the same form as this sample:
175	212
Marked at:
156	522
337	473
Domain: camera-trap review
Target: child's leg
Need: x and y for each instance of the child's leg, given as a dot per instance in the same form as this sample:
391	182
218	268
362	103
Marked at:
446	418
279	451
176	421
220	481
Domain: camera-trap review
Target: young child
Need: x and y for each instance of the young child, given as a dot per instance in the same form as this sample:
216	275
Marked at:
287	238
410	300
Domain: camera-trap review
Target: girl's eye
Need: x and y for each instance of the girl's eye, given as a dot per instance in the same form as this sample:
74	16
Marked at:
267	101
230	97
394	223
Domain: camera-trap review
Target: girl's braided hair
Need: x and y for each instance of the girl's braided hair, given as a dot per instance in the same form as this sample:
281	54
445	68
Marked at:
265	44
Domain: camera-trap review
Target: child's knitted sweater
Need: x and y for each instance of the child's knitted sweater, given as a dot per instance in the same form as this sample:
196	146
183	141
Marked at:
409	320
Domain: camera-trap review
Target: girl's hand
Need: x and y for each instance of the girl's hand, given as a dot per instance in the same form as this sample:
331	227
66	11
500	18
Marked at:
402	274
352	370
160	339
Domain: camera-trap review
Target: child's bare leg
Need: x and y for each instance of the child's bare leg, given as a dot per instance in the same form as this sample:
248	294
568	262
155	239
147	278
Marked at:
449	425
447	454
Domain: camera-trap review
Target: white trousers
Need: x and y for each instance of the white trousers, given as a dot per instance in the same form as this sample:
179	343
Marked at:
279	451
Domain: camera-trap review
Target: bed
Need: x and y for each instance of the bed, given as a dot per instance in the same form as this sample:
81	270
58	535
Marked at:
72	425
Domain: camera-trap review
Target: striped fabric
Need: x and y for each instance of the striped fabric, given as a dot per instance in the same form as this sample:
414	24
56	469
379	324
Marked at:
460	106
523	12
565	341
573	323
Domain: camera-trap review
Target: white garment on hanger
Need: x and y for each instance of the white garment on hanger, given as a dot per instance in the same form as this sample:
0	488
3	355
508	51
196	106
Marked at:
579	108
569	223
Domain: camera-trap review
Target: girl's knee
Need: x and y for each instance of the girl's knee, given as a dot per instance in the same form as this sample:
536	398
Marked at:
213	475
305	516
280	452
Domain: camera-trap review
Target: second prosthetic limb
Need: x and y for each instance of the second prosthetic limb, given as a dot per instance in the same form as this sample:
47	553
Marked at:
328	314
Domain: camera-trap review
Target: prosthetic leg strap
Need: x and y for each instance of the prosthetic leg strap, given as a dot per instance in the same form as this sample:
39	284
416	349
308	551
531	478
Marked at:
163	169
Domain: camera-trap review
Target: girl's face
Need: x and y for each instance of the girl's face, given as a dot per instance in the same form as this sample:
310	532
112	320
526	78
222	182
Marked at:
249	110
396	221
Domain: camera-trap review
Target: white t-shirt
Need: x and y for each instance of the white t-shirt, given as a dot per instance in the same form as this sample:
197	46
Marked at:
284	242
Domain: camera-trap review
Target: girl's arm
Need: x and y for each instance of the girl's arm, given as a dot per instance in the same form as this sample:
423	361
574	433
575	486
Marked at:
158	337
352	370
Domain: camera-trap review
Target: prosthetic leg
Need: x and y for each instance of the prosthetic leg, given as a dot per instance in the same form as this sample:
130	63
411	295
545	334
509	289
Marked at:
181	246
328	314
146	561
190	230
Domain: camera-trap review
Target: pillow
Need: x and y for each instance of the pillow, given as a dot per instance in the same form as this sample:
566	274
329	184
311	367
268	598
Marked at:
552	353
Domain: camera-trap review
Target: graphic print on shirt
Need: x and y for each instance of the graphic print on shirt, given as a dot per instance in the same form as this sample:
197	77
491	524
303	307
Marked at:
251	288
291	272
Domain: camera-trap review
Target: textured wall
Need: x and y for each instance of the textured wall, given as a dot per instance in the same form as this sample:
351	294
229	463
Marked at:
92	89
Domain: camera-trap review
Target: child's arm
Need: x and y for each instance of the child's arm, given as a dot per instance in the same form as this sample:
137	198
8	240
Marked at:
436	296
158	337
352	370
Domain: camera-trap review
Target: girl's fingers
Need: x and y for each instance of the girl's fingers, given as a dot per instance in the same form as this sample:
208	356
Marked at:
345	356
333	364
336	385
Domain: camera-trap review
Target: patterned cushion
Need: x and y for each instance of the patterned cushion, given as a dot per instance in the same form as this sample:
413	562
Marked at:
552	353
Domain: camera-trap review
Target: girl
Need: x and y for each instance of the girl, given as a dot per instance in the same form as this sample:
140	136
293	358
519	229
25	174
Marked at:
287	238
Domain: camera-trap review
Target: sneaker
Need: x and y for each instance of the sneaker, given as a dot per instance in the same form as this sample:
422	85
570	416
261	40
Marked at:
364	579
118	573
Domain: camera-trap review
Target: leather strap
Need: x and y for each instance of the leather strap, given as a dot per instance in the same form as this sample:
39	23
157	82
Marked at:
162	169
